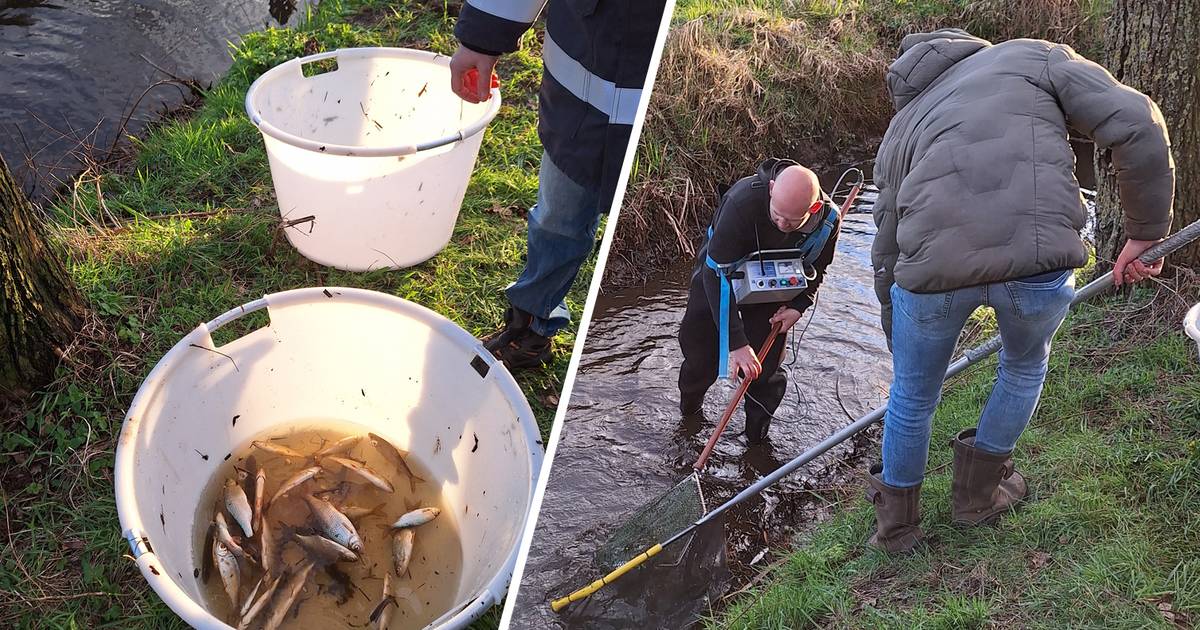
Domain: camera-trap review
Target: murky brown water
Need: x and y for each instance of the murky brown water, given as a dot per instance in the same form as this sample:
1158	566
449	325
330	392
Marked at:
623	444
342	594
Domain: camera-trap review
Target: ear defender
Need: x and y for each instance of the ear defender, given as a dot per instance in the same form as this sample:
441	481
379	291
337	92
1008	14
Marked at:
816	207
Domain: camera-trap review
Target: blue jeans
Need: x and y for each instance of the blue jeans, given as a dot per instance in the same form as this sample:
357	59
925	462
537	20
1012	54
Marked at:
925	327
562	233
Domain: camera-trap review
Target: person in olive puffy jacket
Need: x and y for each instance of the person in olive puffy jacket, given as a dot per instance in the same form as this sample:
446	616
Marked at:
979	206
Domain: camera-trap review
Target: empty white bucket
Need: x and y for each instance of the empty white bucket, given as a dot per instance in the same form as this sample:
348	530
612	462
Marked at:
371	160
388	365
1191	325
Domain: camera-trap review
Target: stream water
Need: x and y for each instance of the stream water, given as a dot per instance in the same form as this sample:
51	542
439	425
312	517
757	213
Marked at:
71	71
623	444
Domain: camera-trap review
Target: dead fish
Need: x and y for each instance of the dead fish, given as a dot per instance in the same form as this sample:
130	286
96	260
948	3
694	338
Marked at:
354	512
417	517
227	566
278	449
339	447
206	564
249	614
225	537
382	615
402	548
325	549
293	481
260	488
395	458
334	524
253	594
337	494
238	505
363	471
287	597
266	544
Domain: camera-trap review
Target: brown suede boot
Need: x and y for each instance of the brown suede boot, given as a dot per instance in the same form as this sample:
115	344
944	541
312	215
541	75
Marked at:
897	514
985	484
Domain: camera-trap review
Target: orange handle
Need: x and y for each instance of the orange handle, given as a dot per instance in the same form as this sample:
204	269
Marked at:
470	80
776	328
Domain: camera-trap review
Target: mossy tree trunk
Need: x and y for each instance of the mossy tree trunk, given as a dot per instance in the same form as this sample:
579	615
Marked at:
1154	46
40	308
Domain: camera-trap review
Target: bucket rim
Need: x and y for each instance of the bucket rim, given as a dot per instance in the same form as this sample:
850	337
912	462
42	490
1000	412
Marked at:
1191	322
135	531
294	66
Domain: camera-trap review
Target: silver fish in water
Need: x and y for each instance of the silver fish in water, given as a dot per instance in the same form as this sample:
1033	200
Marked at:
326	549
339	447
238	505
277	449
250	612
287	597
363	471
266	551
402	549
225	537
334	524
417	517
293	481
227	566
395	458
260	489
354	512
382	615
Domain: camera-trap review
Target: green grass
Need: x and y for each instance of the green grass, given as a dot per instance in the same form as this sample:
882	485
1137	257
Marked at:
1107	538
186	230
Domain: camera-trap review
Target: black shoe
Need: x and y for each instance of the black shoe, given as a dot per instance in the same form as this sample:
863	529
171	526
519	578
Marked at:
757	428
517	345
516	323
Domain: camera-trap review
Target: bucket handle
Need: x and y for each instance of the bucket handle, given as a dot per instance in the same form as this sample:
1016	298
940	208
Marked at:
235	313
311	59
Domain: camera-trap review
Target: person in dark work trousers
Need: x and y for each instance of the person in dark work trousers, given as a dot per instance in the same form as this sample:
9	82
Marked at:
596	54
779	207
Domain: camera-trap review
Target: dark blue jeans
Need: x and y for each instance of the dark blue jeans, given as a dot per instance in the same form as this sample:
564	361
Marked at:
925	327
562	232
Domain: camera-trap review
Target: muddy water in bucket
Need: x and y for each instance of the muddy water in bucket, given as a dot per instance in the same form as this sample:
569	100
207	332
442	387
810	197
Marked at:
343	594
624	444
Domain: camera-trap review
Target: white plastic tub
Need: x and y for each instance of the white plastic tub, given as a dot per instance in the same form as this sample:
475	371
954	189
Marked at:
370	161
391	366
1191	325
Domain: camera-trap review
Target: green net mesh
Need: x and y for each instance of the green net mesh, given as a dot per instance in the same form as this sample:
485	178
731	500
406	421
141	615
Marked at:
681	506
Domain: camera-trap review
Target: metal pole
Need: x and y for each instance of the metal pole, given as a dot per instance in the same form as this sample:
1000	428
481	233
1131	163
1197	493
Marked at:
969	358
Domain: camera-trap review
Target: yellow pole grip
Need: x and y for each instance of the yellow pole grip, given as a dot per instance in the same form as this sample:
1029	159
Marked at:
558	604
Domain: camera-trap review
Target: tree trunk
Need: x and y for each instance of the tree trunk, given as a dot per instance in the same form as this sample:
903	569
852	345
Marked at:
1154	46
40	308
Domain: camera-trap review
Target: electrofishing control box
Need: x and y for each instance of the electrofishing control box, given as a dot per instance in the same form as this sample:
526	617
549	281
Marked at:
769	276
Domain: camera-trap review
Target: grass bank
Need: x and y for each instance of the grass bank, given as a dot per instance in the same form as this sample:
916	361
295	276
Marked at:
1109	536
741	80
184	230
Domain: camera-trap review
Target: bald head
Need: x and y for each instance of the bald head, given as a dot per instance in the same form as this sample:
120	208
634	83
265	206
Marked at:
795	192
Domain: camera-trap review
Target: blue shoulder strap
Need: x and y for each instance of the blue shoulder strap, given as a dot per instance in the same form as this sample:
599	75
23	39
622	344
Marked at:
814	244
723	323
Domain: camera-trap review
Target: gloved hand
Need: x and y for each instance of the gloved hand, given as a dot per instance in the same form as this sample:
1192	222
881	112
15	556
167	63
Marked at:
743	359
787	316
462	64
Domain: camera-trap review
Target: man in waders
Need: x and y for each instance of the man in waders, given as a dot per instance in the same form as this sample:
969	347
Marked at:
596	55
779	207
979	206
